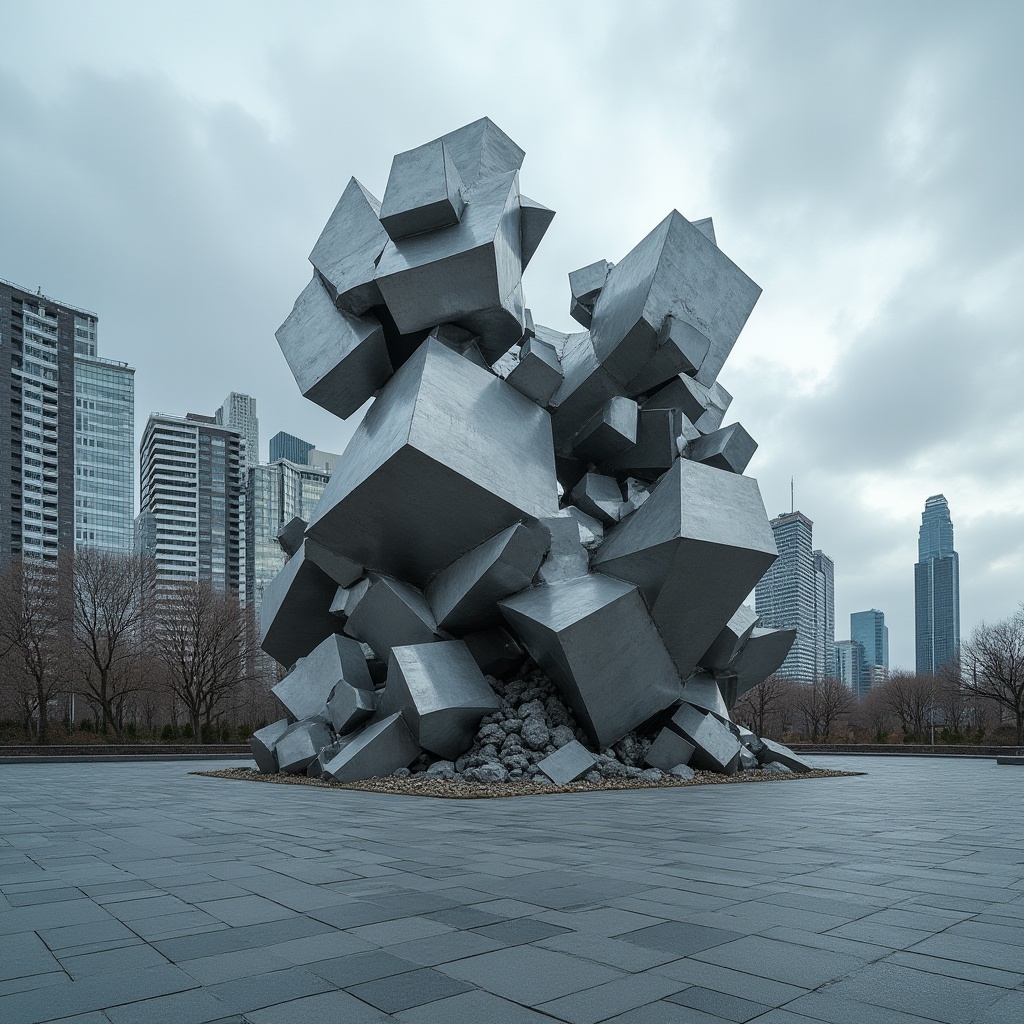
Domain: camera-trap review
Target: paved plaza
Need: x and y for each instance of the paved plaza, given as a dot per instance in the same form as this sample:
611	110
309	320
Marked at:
138	893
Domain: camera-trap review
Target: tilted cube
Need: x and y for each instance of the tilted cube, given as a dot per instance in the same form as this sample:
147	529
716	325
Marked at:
772	752
568	763
349	706
378	749
731	448
732	637
447	456
304	691
696	548
669	749
496	651
346	253
535	219
441	693
538	372
295	615
424	192
337	359
612	431
715	748
463	596
599	496
301	743
263	742
704	407
595	639
291	534
391	613
701	690
761	656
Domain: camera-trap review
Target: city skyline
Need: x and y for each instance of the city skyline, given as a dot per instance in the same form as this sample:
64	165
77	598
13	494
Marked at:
853	156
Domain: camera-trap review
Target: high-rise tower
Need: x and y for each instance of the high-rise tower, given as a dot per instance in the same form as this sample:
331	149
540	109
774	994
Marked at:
936	589
239	411
66	429
798	593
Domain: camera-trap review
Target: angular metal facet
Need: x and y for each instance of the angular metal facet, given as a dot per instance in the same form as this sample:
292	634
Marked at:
338	360
391	613
424	192
668	750
599	496
263	742
696	548
595	639
612	431
447	456
568	763
463	596
295	613
733	636
496	651
536	219
442	694
731	448
304	691
538	372
345	255
380	748
300	744
349	706
715	748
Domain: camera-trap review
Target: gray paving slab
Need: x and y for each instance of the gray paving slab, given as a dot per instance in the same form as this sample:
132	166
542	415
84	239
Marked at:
894	897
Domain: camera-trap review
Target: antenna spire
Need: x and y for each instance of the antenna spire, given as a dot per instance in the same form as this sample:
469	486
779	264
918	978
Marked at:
792	495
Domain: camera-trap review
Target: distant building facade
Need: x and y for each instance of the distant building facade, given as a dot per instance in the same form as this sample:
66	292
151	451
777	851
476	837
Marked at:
936	589
277	492
798	592
848	659
239	411
290	447
192	515
66	428
868	629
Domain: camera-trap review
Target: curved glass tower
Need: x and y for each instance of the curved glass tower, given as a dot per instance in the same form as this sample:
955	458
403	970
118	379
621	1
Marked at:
936	589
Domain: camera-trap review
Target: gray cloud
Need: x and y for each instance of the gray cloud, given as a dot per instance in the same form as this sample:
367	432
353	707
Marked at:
171	168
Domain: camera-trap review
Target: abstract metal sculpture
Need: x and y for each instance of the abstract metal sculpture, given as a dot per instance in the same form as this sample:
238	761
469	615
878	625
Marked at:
516	493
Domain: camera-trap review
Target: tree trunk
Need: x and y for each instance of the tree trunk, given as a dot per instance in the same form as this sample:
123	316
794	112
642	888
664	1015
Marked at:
43	724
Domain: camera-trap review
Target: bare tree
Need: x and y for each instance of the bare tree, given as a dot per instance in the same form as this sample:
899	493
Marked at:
820	704
911	698
109	594
874	715
32	636
205	645
994	666
757	706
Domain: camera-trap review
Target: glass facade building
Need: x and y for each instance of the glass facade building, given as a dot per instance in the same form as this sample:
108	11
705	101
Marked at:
239	411
290	447
104	453
66	428
936	589
798	592
193	512
276	494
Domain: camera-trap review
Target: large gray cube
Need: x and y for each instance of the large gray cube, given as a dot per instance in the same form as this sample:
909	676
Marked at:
771	752
337	359
350	706
696	548
595	639
568	763
424	192
304	691
441	693
295	614
731	448
346	253
300	744
463	596
715	748
447	456
263	742
380	748
391	613
669	749
538	372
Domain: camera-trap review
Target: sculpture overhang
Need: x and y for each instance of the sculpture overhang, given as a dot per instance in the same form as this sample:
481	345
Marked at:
515	492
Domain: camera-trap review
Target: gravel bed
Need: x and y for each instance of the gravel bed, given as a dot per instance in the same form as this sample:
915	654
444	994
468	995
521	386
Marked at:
461	789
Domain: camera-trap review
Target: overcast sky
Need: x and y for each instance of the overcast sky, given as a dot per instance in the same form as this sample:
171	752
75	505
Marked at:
170	165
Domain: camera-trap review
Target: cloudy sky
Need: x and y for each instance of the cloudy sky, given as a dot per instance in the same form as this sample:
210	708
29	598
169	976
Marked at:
169	166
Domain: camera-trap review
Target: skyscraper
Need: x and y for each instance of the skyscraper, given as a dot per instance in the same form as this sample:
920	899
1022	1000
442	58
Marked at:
239	411
868	628
276	494
290	447
192	515
936	589
798	592
849	656
66	428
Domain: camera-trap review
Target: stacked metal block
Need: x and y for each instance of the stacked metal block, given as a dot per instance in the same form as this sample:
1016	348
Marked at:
513	491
